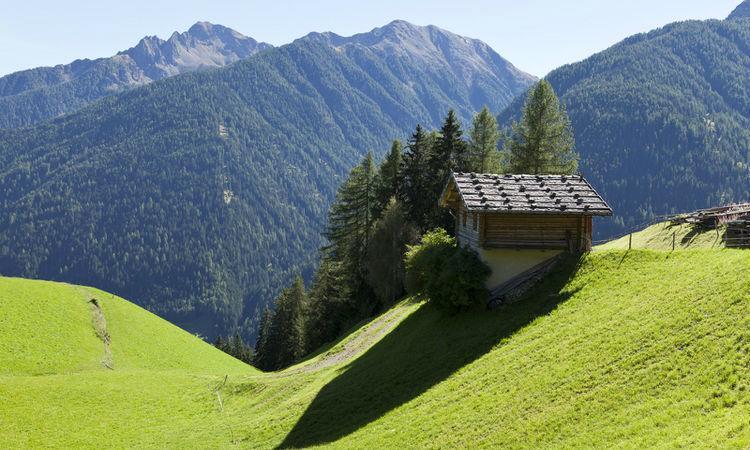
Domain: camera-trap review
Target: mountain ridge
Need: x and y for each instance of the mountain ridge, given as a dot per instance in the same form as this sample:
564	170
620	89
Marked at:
35	95
742	11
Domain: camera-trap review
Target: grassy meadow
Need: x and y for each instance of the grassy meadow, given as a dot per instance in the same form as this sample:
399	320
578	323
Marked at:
623	349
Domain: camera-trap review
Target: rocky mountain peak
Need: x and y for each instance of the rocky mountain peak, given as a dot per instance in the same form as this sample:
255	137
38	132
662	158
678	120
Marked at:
741	11
203	45
432	46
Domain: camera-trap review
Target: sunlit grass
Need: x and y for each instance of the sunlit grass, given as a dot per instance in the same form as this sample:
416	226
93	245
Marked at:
622	349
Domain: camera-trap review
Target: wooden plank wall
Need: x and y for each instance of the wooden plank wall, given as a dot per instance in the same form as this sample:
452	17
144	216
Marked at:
524	231
540	231
465	232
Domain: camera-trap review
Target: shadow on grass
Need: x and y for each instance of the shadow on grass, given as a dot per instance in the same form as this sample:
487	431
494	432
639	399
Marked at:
695	231
425	349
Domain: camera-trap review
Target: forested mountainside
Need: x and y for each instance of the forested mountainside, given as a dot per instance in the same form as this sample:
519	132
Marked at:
441	65
31	96
662	119
199	196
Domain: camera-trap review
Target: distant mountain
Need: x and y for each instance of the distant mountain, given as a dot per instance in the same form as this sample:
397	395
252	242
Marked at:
34	95
434	62
741	11
199	196
662	119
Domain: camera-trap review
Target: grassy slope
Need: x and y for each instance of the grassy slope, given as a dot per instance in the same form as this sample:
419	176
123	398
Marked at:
626	348
56	392
659	237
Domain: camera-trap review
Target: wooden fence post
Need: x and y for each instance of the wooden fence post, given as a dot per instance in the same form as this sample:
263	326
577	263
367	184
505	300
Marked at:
630	241
674	237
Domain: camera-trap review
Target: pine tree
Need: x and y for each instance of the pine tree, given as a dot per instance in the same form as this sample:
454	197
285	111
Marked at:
484	156
385	266
220	344
542	143
330	306
389	176
450	153
416	186
286	338
351	217
263	358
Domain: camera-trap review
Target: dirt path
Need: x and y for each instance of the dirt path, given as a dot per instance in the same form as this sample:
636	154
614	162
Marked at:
99	322
369	335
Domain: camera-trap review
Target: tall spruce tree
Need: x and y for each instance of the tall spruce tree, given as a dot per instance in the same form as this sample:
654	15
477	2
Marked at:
484	156
263	358
286	338
389	176
417	182
542	143
449	154
330	306
350	218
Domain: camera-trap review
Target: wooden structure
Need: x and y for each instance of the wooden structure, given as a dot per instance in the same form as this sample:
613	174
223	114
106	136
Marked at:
713	217
738	233
523	212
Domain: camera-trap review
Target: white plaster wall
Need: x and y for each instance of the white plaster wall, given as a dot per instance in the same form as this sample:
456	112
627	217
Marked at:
506	264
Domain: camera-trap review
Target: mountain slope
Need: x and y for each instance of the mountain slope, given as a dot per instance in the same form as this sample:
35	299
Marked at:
742	11
662	119
199	196
438	65
34	95
626	349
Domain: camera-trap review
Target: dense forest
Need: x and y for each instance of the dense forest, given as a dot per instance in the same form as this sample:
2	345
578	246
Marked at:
662	119
202	195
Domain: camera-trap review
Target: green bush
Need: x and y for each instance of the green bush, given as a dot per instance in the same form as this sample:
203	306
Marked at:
449	276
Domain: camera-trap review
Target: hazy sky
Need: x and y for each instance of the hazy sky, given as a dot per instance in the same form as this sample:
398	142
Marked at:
535	35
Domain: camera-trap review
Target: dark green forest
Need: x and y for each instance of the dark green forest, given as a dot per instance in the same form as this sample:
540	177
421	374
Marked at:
662	120
200	196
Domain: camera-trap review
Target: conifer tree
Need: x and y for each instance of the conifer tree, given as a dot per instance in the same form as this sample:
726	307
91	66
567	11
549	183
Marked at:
330	307
484	156
417	184
542	143
263	359
389	176
351	217
450	152
286	338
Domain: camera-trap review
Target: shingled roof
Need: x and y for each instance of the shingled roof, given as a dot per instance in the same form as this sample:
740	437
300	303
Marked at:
527	194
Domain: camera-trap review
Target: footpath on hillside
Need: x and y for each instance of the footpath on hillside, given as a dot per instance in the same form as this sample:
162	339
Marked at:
348	350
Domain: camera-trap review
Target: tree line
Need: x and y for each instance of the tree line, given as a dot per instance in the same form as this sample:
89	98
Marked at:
381	210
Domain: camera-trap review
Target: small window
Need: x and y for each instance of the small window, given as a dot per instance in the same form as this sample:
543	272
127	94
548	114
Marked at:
474	221
464	224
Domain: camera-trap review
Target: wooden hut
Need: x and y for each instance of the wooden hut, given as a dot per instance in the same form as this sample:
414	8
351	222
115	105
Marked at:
517	222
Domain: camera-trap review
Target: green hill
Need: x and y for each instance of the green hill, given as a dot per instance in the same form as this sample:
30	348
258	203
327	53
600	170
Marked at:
662	119
57	328
619	349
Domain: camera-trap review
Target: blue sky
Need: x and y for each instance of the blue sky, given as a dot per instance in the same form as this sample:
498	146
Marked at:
535	35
